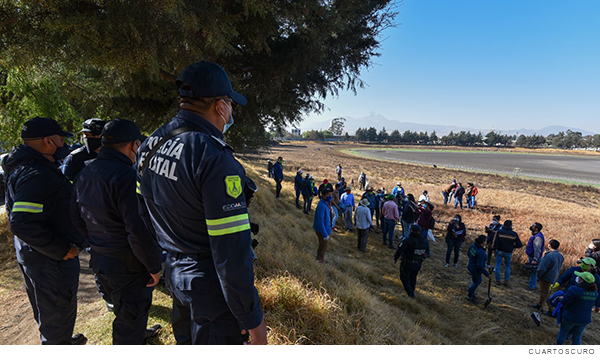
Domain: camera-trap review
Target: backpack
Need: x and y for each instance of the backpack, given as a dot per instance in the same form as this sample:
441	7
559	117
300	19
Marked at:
431	223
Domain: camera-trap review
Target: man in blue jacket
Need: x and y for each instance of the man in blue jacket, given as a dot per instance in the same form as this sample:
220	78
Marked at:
278	175
192	189
124	253
505	241
567	279
535	251
78	159
322	222
47	244
298	184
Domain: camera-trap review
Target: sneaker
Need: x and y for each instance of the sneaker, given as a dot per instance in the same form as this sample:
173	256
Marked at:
472	300
456	266
79	339
151	332
446	265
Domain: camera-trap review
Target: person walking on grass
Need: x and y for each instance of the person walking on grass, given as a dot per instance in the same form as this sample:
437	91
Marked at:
506	240
364	222
412	251
298	184
577	305
278	175
390	218
338	171
476	267
322	223
456	233
547	272
535	251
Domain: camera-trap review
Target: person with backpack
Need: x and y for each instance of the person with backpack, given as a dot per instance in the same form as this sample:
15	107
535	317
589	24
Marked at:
425	214
412	251
455	235
476	267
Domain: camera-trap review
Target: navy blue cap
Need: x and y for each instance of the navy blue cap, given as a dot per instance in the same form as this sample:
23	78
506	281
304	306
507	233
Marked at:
39	127
206	80
93	126
120	131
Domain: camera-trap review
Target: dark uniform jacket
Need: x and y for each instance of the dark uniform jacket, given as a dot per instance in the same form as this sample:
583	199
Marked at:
193	190
37	203
105	210
413	248
506	240
76	161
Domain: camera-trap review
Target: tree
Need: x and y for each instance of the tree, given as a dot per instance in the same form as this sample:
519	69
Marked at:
382	136
336	126
286	57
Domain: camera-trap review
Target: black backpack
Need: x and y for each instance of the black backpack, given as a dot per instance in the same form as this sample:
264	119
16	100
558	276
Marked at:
431	223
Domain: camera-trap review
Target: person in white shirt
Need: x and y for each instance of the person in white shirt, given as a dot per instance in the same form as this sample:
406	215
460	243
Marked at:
364	222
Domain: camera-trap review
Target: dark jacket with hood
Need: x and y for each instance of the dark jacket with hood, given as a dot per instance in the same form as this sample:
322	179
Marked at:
37	204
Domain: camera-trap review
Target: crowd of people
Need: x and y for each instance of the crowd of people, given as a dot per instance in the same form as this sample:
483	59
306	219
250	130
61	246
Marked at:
380	211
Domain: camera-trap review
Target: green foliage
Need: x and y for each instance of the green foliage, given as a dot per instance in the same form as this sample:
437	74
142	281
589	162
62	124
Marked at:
337	126
284	56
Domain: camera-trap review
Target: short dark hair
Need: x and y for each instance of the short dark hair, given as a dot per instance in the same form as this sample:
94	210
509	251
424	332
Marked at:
508	223
481	239
554	244
117	146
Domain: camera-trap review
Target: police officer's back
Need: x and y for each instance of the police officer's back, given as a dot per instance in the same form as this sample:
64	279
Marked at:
124	254
193	190
81	157
46	243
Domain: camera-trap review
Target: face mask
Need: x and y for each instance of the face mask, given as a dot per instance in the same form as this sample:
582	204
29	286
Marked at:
455	220
424	206
92	144
577	280
61	151
495	222
329	198
227	124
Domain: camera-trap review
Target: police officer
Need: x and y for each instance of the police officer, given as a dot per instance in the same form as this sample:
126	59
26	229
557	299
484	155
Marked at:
46	242
124	255
412	251
192	187
79	158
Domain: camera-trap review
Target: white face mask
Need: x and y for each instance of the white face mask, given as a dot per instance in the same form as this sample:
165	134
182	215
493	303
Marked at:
230	122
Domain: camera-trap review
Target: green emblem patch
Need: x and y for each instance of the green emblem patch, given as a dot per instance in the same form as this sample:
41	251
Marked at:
233	186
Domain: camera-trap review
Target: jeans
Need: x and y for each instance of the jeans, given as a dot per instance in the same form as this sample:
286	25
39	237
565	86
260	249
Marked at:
475	282
470	202
445	194
567	327
406	229
453	244
388	229
458	200
306	199
277	188
377	217
336	214
500	257
533	276
348	218
298	192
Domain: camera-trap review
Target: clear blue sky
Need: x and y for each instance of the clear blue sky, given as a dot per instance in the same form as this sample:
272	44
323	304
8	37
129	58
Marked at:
506	65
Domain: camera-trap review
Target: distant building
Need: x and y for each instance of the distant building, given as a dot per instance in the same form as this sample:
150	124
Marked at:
296	132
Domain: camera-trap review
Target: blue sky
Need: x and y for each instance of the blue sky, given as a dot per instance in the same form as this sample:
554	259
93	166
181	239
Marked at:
506	65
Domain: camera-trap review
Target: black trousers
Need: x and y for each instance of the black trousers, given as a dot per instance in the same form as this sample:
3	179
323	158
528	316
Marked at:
453	245
277	188
200	314
408	275
51	286
124	280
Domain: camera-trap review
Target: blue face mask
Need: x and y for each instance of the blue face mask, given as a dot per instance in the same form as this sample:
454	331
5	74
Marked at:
228	125
329	198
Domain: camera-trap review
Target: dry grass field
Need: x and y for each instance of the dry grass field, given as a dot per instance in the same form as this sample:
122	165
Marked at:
357	298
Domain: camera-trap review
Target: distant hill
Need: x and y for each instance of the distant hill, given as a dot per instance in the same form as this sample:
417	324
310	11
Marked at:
379	122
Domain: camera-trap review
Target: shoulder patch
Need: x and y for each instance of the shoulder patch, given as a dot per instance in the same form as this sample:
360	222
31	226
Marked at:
233	186
222	143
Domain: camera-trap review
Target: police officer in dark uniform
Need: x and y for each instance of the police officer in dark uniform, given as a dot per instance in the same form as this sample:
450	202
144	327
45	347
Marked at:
193	189
79	158
124	253
46	242
412	251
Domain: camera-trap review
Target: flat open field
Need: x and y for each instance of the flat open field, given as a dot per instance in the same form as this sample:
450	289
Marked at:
569	168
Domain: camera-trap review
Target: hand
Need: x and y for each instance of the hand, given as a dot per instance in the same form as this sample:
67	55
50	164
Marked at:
258	334
154	278
74	251
554	286
489	276
326	238
533	262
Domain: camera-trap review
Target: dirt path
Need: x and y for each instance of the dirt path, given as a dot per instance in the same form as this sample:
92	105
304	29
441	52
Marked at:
18	327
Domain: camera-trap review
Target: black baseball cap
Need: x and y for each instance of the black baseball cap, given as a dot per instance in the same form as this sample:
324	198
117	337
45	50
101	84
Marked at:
39	127
120	131
206	80
93	126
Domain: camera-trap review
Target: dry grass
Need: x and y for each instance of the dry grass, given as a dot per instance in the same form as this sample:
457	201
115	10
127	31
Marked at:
356	298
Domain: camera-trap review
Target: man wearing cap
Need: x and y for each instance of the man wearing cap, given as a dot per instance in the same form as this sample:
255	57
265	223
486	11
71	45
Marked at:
398	191
567	279
411	251
322	187
593	251
46	242
372	198
364	221
298	184
192	188
79	158
278	175
124	254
